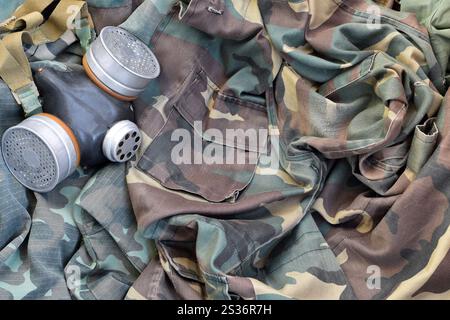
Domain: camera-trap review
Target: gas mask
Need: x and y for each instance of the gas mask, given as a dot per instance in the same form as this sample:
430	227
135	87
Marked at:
87	116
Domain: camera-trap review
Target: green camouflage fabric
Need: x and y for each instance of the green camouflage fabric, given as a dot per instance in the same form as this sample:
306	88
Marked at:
435	16
8	8
345	195
66	244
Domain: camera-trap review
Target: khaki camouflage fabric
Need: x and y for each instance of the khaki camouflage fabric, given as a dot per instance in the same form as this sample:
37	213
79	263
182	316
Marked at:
346	195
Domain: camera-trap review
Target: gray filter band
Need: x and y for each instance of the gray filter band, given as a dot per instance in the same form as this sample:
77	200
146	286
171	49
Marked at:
120	63
40	152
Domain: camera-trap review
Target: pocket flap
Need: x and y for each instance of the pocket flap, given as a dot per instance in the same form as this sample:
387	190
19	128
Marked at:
224	119
210	145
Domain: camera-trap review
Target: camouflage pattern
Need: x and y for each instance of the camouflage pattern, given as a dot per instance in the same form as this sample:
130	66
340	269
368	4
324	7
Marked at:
350	91
8	8
111	12
435	16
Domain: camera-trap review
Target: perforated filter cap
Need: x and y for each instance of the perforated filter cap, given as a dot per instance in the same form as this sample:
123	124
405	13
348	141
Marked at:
121	64
40	152
122	141
130	52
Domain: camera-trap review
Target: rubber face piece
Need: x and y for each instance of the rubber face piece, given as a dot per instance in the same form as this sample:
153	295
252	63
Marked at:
86	109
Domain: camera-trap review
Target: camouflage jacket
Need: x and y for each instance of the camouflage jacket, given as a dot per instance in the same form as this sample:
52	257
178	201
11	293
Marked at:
345	195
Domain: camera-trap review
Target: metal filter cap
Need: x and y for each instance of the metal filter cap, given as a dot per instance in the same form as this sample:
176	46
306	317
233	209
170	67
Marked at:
120	64
122	141
40	152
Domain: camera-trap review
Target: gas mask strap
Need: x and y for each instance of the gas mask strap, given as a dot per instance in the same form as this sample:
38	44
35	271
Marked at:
32	6
17	75
29	21
68	15
27	16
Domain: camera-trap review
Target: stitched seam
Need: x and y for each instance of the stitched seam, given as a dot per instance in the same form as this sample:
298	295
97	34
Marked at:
162	25
220	143
242	102
372	63
156	136
193	9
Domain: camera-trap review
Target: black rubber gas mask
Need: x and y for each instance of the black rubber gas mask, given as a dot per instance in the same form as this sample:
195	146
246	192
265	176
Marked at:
81	125
88	118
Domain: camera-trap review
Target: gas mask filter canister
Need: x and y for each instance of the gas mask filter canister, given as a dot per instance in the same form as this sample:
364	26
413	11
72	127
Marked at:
120	64
40	152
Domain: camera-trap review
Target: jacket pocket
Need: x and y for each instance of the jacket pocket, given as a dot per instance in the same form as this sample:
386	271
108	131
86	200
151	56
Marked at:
210	144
